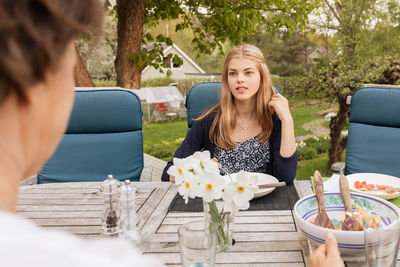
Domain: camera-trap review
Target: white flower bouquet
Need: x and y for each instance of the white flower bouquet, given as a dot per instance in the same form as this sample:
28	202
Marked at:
199	176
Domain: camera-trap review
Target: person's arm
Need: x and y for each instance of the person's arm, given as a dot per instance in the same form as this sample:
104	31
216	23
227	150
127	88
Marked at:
283	168
282	140
280	106
327	255
194	141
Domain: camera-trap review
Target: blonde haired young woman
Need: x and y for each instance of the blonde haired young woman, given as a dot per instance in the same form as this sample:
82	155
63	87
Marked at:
251	128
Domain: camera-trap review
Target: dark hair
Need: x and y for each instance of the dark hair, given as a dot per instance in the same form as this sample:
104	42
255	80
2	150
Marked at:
34	34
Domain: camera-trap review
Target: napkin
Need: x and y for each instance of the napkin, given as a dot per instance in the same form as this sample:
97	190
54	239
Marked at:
331	184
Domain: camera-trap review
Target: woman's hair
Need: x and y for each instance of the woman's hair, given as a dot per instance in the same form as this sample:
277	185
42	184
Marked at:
224	122
34	35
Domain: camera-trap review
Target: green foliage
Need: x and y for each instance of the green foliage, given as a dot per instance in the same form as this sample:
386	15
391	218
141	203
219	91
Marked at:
363	28
157	82
286	52
105	83
341	79
292	85
214	22
183	85
163	150
306	168
312	147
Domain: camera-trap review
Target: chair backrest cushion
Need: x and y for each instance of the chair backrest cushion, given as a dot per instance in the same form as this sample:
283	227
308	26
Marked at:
373	142
201	97
104	136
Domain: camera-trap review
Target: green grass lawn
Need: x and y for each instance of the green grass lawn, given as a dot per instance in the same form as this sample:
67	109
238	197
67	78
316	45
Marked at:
303	111
161	139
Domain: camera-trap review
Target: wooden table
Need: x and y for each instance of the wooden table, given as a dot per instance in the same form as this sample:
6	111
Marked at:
262	237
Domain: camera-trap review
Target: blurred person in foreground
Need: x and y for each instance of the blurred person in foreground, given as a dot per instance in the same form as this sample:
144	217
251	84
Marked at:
37	56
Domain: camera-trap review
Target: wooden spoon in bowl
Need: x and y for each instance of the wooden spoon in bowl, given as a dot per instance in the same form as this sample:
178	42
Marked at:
322	218
350	223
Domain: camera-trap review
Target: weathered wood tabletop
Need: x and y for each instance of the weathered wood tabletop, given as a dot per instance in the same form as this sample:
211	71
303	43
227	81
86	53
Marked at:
263	238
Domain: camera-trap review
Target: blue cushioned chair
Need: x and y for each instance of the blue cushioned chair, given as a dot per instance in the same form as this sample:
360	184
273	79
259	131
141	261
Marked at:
104	136
201	97
373	142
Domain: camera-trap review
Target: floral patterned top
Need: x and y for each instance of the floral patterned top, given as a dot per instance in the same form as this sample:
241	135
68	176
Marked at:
249	155
265	158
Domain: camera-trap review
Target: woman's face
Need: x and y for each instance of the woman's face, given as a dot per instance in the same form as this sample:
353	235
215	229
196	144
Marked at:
243	78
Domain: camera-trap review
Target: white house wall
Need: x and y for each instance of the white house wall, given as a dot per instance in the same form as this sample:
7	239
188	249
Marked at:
177	73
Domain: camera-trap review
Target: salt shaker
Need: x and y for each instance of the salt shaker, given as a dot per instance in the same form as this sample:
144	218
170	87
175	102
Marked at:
110	217
128	220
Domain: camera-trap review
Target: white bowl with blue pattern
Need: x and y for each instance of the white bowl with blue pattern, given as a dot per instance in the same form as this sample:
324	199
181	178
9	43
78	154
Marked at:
350	242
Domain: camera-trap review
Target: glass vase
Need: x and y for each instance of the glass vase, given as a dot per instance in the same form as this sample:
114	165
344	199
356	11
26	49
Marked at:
214	213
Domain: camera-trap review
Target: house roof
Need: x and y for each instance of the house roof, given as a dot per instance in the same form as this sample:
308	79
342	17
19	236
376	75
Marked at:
183	54
186	57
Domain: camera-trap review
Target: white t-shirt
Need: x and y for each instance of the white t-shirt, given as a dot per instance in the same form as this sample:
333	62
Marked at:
23	244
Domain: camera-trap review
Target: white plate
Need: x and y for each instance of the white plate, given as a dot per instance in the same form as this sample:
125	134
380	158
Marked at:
262	178
375	178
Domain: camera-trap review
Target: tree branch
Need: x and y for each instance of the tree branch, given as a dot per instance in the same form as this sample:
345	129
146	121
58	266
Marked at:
332	10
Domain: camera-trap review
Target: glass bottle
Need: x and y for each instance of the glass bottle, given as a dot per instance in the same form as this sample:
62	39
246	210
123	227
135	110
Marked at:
110	217
128	220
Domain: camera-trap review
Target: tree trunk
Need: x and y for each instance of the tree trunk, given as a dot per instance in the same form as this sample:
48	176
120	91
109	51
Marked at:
81	75
131	15
336	126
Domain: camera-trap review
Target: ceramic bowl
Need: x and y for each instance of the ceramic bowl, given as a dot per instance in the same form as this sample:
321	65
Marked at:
349	242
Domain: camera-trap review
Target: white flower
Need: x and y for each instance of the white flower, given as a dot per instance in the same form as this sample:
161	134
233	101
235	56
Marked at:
237	194
202	155
205	162
192	164
210	186
188	187
302	144
178	170
330	115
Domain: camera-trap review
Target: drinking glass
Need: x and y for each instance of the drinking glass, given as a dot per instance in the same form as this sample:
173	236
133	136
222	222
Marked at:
198	243
381	245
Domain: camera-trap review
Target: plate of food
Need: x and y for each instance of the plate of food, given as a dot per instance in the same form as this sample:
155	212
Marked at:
262	179
375	184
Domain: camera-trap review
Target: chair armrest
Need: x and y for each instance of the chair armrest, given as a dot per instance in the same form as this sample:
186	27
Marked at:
29	181
338	167
145	176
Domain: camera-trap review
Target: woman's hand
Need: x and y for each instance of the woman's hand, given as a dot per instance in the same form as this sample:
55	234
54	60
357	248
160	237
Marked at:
327	255
280	105
172	178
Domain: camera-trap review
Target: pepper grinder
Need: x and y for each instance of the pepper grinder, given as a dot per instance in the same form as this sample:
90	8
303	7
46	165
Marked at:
109	189
128	220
